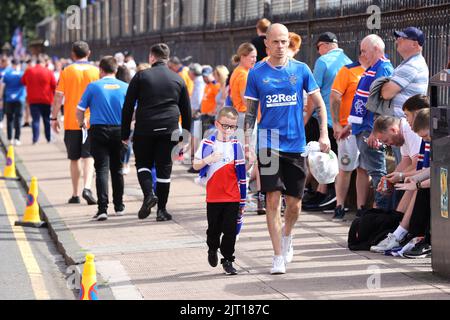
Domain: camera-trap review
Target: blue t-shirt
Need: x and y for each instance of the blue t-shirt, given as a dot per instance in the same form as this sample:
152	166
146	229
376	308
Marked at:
14	89
325	70
280	94
385	69
105	98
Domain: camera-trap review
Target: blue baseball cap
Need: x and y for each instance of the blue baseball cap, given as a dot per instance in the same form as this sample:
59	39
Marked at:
411	33
206	71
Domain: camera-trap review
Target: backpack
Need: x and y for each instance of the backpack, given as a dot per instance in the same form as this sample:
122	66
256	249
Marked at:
371	228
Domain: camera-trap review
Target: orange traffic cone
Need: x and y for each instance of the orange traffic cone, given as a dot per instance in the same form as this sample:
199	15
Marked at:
89	289
10	169
31	216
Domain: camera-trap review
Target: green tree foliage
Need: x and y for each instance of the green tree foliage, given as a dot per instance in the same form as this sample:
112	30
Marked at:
62	5
26	14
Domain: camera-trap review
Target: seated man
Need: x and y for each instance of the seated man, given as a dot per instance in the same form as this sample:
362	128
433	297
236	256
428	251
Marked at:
397	132
415	203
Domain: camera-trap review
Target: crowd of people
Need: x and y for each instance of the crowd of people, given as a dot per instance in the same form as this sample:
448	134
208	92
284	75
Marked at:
248	127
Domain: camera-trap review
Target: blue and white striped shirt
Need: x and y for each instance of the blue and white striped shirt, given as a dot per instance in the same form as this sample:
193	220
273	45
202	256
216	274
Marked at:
412	76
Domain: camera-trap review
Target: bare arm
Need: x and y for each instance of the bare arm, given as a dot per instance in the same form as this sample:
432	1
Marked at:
323	140
335	106
56	107
390	90
250	119
212	158
309	109
80	117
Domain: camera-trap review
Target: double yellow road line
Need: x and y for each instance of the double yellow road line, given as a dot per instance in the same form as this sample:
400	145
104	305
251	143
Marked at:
34	272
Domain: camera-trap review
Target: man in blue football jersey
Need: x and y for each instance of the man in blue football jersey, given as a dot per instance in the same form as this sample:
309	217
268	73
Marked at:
277	86
105	98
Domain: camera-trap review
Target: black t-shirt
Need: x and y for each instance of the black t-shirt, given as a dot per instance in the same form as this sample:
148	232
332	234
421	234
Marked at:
161	96
258	42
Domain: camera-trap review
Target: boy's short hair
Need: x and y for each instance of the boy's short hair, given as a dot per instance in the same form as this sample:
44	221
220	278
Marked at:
228	112
422	120
416	102
108	64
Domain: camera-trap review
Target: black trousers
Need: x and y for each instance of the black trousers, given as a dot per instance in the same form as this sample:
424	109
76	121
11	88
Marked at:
14	111
419	225
222	219
155	151
107	149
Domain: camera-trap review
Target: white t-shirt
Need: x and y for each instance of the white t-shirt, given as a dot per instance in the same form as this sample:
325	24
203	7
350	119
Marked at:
411	147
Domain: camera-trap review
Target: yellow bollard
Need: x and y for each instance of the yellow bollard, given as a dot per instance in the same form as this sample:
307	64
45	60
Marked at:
31	216
89	289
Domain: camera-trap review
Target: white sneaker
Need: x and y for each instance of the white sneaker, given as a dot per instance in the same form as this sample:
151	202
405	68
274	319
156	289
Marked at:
17	142
287	249
120	213
10	142
278	265
387	244
125	170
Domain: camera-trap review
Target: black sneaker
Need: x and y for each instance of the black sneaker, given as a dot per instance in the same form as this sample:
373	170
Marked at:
87	195
100	216
119	210
326	202
149	202
421	250
212	258
74	200
228	268
26	124
192	170
312	197
339	214
163	215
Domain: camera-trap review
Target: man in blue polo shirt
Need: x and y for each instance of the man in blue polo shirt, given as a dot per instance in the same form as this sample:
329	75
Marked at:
105	99
277	86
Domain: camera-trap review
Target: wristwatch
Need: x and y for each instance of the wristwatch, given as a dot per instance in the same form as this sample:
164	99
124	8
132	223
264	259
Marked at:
418	185
53	119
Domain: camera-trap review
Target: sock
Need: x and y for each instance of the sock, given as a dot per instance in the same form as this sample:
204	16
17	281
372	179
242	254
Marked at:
400	233
145	181
162	192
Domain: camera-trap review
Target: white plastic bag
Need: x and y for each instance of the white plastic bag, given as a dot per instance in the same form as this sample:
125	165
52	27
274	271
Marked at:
323	166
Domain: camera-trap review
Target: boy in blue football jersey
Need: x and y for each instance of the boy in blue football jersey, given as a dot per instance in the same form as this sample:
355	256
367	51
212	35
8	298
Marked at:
277	85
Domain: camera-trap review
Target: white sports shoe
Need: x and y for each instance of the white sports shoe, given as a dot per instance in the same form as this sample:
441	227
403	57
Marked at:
387	244
287	249
278	265
17	142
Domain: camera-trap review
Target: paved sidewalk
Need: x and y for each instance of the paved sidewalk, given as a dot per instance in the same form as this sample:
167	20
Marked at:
167	260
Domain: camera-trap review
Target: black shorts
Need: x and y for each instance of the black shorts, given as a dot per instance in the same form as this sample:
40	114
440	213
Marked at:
75	148
282	171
